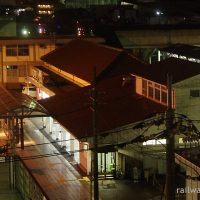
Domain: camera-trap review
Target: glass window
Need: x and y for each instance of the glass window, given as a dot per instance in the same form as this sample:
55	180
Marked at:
23	50
164	97
195	93
11	50
144	87
157	92
11	71
150	89
14	50
11	67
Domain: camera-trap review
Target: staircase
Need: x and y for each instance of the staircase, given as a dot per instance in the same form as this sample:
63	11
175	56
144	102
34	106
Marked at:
189	160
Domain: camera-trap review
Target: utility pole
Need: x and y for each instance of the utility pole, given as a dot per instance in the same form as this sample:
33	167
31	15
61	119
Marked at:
170	156
95	138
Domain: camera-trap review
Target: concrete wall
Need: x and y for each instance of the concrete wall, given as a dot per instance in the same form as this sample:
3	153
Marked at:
35	53
185	104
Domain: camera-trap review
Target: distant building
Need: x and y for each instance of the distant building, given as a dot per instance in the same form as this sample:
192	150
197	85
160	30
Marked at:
85	3
19	56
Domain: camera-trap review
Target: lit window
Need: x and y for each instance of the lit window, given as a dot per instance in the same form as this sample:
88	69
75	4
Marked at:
156	92
155	142
180	141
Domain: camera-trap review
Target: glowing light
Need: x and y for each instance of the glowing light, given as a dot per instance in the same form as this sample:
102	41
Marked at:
158	12
25	32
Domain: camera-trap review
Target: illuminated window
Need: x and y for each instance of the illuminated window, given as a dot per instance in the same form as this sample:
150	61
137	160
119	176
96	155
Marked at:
180	141
155	142
156	91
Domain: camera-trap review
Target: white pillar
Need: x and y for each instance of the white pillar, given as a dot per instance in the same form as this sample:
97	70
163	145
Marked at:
159	55
89	157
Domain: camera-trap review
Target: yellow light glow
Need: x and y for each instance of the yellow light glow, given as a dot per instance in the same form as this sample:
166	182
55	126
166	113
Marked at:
30	142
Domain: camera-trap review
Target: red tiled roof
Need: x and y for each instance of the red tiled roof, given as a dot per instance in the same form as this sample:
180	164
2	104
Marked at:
79	57
118	105
179	69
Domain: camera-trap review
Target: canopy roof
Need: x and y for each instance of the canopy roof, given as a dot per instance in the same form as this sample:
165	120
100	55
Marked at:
14	103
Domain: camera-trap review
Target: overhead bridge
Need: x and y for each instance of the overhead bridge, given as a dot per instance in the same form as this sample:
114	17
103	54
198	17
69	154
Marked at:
157	36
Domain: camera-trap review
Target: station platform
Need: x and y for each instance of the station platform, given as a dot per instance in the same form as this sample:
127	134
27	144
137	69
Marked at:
58	179
54	175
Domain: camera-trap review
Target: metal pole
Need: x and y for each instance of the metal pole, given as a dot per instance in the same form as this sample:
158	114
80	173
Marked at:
22	133
95	139
22	129
170	157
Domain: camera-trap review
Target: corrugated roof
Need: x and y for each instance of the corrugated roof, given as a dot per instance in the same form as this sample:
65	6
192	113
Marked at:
179	69
79	57
118	105
11	101
7	102
189	51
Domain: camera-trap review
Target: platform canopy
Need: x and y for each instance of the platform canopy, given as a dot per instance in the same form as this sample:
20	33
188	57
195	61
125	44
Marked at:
17	104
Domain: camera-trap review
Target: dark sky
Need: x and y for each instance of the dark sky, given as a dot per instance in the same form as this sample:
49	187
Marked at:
190	7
